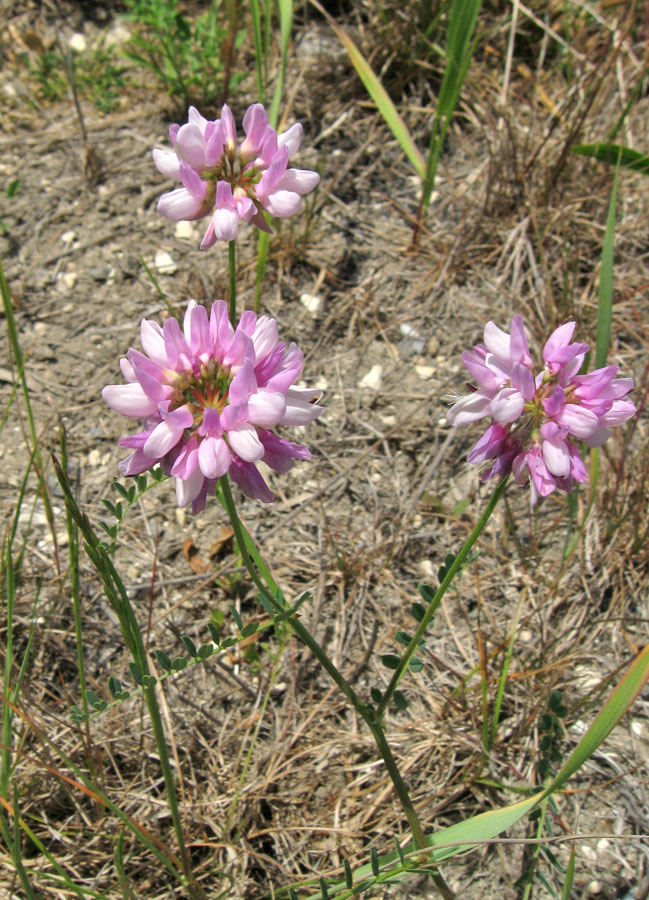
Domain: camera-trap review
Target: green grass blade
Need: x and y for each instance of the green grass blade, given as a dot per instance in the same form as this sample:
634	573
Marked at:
465	836
463	16
285	26
378	94
260	62
611	713
605	294
615	154
20	365
570	875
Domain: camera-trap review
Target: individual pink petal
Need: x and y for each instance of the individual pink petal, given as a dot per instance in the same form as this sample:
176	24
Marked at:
153	343
577	420
523	380
129	400
255	123
621	411
196	327
179	205
469	409
250	481
127	370
497	342
507	405
291	139
187	460
214	457
244	382
556	455
187	490
167	163
518	346
190	145
280	454
224	226
301	406
283	204
301	181
135	464
244	441
490	444
229	128
167	434
195	118
266	408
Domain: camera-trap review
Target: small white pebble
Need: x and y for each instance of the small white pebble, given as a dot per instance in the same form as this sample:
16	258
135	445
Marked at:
407	330
77	42
185	231
425	372
164	263
372	380
637	727
94	458
313	304
603	844
66	281
68	237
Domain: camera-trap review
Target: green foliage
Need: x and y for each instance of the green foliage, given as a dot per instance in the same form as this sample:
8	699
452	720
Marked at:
616	154
141	485
98	75
191	59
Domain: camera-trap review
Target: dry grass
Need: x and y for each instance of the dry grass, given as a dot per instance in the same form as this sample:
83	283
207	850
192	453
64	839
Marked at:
279	780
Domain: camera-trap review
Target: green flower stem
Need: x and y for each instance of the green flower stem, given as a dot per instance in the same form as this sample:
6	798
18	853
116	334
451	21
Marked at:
455	567
232	270
116	594
271	593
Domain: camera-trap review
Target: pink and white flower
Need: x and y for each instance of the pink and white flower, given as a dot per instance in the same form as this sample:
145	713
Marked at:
535	419
232	182
209	396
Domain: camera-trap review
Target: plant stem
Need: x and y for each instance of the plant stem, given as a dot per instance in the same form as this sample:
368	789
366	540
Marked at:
271	592
232	269
454	568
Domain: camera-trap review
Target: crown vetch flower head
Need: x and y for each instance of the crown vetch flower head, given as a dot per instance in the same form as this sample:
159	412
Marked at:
209	396
535	419
232	182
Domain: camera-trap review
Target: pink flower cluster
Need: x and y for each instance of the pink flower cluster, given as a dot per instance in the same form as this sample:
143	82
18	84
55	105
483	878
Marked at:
534	420
209	395
232	182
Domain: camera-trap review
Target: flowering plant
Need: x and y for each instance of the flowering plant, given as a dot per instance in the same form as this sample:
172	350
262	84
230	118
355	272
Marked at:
208	398
229	181
535	419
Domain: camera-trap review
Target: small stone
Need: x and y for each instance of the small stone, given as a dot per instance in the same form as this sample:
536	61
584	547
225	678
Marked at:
185	231
117	36
164	263
77	42
407	330
65	281
313	304
594	887
41	328
603	844
9	90
180	516
372	380
433	345
425	372
94	458
68	237
99	273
